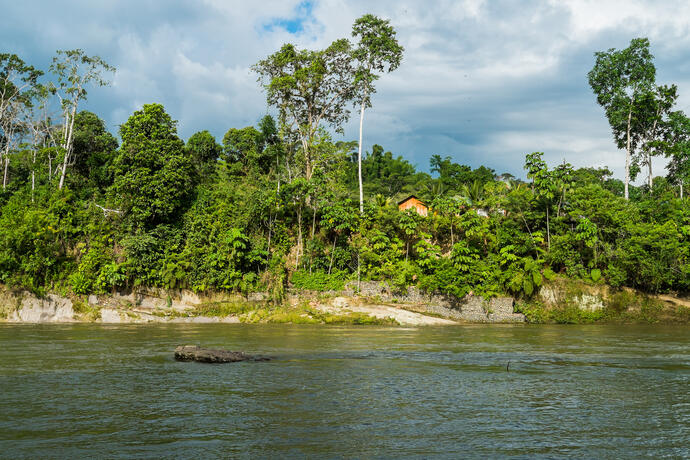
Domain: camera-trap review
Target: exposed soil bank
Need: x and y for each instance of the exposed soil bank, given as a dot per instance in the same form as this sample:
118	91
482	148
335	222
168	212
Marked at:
342	307
562	301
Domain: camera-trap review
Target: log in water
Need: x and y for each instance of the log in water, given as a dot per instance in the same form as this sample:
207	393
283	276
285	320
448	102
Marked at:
209	355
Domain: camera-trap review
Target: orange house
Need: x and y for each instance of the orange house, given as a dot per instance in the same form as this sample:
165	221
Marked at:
412	202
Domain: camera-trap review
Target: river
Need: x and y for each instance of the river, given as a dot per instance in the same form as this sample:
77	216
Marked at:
85	390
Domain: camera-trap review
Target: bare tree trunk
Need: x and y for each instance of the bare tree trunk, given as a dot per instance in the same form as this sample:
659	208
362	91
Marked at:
313	226
33	174
628	154
278	172
7	166
287	166
649	177
270	227
681	190
307	159
299	235
548	230
68	145
359	159
313	222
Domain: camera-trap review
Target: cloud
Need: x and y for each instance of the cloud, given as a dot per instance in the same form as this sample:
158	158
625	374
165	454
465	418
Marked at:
484	82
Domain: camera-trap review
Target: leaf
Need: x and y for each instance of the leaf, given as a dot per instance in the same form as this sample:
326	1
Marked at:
549	274
537	278
595	274
527	286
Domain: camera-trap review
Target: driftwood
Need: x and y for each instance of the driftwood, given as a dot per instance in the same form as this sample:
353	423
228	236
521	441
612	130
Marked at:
208	355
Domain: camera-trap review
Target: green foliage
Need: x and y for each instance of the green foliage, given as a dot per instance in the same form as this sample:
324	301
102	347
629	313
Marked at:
203	151
318	281
153	174
275	204
94	152
88	277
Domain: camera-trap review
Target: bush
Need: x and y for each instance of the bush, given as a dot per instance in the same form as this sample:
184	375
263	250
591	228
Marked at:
319	281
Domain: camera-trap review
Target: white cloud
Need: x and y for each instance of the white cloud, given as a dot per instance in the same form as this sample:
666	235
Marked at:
481	81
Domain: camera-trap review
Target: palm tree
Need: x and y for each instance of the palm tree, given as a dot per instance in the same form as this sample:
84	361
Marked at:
473	193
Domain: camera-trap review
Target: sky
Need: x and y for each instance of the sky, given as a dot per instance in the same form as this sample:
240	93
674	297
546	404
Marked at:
484	82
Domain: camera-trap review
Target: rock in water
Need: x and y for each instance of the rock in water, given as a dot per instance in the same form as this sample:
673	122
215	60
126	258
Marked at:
208	355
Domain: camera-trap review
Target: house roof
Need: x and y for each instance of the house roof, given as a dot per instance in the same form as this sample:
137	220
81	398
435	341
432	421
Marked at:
409	198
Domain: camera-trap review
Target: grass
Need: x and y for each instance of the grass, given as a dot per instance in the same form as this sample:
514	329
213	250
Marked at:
223	308
304	314
259	312
85	310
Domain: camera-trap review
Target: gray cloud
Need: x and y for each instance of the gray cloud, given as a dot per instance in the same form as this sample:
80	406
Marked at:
484	82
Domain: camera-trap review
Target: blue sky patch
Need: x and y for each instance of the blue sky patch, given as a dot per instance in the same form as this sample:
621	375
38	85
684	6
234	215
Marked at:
294	25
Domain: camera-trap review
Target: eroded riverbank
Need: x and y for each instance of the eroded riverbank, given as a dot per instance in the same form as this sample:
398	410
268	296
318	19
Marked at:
561	301
372	305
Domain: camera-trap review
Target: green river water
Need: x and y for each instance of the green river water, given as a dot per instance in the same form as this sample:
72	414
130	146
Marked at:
94	391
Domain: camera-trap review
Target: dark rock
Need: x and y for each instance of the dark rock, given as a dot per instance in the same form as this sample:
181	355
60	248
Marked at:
208	355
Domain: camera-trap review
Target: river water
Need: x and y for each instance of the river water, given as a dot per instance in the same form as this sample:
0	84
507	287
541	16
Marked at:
480	391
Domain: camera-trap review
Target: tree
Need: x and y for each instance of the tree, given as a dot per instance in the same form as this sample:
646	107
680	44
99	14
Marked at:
74	71
12	132
204	151
377	51
308	88
678	149
339	217
16	77
153	176
17	82
655	107
620	79
449	207
241	147
42	132
93	152
543	185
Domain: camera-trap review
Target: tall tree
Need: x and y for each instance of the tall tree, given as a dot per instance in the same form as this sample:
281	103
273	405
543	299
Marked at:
17	82
204	152
13	131
678	149
655	107
377	51
308	88
16	78
620	79
545	184
153	174
93	154
74	71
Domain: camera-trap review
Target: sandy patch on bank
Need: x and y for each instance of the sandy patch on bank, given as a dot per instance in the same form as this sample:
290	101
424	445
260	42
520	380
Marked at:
342	305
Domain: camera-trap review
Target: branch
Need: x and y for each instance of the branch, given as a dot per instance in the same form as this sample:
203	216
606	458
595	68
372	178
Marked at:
106	210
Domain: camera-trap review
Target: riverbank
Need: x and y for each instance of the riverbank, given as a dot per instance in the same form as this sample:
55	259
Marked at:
374	304
567	301
560	301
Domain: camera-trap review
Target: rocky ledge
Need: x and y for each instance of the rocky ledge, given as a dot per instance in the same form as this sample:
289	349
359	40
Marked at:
208	355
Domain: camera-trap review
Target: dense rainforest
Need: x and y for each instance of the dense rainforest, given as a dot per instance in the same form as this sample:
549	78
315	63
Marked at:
282	203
